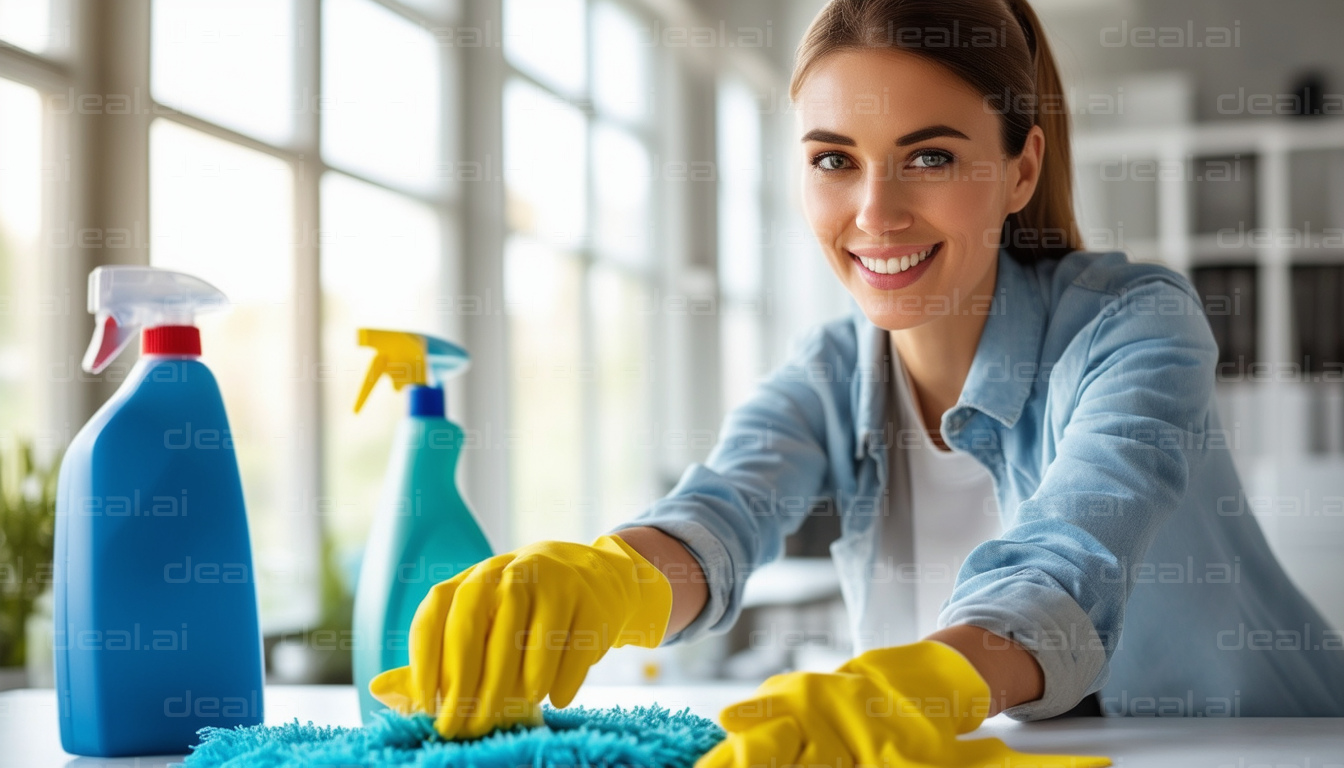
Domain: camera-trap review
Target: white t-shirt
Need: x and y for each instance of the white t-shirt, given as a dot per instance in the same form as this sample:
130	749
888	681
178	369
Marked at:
953	508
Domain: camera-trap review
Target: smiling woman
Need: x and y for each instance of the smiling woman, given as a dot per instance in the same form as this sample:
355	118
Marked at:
994	368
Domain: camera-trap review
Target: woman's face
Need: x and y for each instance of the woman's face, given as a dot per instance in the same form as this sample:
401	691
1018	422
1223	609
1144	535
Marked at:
905	183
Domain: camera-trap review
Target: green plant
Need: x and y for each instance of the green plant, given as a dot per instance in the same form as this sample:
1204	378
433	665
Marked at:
337	614
27	534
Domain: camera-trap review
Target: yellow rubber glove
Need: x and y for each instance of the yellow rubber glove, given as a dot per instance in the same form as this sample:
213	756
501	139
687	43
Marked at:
898	706
487	645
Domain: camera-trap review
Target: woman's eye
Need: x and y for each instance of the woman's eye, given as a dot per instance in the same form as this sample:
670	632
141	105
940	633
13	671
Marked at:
933	158
830	161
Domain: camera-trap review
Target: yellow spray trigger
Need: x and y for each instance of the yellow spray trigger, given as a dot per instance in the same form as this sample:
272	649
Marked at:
408	358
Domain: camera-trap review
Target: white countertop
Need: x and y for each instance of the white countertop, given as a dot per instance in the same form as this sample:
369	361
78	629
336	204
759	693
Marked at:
30	736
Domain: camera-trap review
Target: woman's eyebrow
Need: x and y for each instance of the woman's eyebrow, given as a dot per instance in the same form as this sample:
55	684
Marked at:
827	137
932	132
923	134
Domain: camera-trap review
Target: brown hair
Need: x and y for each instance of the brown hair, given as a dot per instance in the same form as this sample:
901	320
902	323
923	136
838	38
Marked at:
997	47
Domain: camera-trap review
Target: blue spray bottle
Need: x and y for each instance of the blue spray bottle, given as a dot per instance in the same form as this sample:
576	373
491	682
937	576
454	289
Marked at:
423	532
156	625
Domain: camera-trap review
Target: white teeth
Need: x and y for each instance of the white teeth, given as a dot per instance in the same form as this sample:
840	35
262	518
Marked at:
892	266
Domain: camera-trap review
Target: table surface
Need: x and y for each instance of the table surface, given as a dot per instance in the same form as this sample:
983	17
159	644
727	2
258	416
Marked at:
30	735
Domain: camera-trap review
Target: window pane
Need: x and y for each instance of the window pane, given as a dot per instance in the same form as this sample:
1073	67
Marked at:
437	10
544	166
542	291
546	38
742	359
227	61
742	321
380	82
620	63
380	268
621	180
620	312
26	23
225	213
739	191
20	224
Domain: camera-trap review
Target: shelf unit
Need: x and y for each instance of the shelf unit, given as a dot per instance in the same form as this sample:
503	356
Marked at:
1286	171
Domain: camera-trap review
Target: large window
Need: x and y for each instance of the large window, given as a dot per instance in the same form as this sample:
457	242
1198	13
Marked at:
313	158
579	264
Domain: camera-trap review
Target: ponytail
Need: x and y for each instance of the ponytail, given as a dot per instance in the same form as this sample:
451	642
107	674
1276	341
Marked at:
1049	214
1019	73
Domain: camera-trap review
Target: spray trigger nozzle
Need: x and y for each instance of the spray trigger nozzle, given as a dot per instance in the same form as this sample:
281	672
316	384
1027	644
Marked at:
126	299
409	358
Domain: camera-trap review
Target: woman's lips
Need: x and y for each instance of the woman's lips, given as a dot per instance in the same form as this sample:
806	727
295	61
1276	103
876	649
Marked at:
891	282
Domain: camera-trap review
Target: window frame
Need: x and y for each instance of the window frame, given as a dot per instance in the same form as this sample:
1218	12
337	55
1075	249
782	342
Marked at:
51	74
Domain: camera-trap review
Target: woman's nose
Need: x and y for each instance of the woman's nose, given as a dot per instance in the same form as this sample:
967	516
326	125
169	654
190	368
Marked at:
884	205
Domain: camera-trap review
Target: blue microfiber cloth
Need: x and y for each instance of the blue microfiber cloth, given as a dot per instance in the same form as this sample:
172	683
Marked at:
647	737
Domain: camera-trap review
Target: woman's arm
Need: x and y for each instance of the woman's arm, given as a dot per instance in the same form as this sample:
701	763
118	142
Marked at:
1123	433
771	463
689	589
1012	673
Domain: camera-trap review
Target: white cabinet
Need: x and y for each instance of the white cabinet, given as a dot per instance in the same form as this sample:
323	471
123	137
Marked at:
1265	195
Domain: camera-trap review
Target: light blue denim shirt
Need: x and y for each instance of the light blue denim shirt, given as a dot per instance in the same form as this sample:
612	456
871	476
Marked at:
1129	562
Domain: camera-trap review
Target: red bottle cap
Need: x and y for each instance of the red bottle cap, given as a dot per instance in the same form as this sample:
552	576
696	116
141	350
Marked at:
171	340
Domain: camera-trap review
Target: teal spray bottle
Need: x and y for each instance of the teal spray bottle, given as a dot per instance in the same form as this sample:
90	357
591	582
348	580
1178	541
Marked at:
423	532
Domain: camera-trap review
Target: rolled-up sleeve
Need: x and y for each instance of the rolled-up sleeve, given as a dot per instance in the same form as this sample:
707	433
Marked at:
768	468
1128	419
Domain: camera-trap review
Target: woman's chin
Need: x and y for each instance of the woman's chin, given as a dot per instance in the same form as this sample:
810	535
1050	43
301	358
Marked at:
894	313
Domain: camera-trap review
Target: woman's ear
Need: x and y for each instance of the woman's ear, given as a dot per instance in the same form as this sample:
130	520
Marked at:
1027	170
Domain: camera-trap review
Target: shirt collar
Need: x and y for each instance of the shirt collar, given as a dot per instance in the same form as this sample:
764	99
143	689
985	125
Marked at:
1007	360
1002	372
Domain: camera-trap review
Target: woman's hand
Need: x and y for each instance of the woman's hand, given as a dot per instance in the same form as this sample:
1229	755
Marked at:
903	705
487	645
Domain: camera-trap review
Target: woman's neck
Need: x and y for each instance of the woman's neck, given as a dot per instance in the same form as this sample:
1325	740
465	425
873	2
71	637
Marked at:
938	354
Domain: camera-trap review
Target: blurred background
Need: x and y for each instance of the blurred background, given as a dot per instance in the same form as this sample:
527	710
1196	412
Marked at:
598	199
